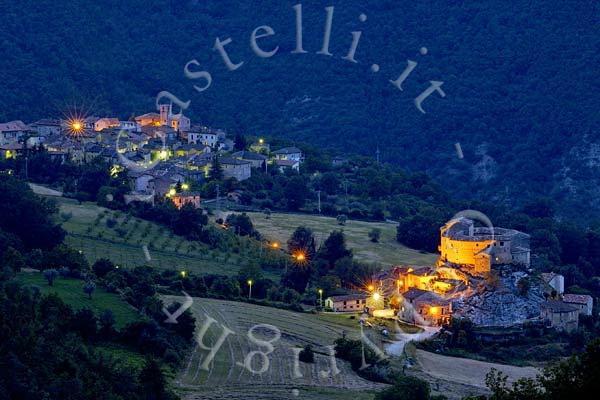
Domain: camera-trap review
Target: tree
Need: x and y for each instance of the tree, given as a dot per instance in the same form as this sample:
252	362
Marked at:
241	224
88	288
240	142
85	323
302	240
295	193
107	323
216	171
50	275
334	248
307	354
103	266
406	388
375	235
152	380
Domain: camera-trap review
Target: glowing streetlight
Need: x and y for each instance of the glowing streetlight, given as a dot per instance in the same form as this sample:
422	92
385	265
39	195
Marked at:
320	297
275	245
376	296
370	288
172	192
250	288
185	186
183	274
261	141
300	257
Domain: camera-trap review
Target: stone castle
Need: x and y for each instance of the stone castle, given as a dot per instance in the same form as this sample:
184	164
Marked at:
475	250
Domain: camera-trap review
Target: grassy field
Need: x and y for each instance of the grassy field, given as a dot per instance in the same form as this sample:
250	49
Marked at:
71	292
104	233
227	379
387	252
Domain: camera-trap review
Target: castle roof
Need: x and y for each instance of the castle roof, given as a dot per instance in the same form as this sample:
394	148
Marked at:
558	307
577	298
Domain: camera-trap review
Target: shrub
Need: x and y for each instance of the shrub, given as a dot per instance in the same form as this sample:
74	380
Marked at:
307	355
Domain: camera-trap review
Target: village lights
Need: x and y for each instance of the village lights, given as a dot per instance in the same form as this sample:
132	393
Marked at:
172	192
163	155
376	296
320	297
275	245
76	126
370	288
183	274
250	288
434	310
185	186
261	141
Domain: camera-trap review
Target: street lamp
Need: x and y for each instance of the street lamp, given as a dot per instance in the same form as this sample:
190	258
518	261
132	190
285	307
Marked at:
249	288
183	274
275	245
376	296
321	297
371	288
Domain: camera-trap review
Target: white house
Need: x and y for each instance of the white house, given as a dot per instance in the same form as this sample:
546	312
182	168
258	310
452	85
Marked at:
289	154
206	138
583	302
129	126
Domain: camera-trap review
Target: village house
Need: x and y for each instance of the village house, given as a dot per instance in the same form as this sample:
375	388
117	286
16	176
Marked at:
237	169
11	132
203	136
282	165
106	123
148	119
584	302
560	315
289	154
256	160
181	199
422	306
47	127
347	303
129	126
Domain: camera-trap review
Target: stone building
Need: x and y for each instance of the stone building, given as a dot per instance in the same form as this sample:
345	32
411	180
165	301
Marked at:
560	315
584	302
476	249
348	303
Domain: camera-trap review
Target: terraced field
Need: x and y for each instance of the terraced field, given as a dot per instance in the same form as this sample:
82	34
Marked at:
102	233
227	378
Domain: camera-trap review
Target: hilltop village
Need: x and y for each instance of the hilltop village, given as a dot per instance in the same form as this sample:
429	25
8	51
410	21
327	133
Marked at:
161	151
482	274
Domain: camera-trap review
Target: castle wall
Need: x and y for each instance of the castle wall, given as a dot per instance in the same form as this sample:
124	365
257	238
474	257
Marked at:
462	252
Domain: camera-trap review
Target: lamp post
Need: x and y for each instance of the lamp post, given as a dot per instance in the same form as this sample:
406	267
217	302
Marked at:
321	297
250	288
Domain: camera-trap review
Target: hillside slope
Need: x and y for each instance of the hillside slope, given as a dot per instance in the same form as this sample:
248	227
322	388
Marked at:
520	81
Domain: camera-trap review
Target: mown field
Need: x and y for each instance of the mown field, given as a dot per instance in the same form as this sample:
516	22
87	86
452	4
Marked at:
226	377
104	233
387	252
71	292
